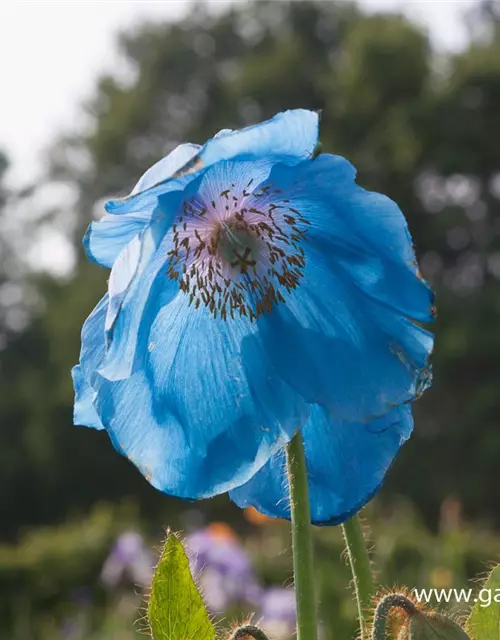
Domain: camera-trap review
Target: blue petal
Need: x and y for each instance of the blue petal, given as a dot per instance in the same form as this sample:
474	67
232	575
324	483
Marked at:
84	412
346	464
345	337
362	234
139	285
138	280
290	136
204	369
106	238
91	355
357	359
167	167
205	411
291	133
93	340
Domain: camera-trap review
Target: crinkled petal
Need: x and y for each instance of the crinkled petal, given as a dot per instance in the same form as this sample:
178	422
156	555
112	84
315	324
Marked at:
139	284
290	136
91	354
106	238
346	464
166	167
362	233
346	337
203	413
84	412
93	340
206	409
336	350
291	133
203	369
138	281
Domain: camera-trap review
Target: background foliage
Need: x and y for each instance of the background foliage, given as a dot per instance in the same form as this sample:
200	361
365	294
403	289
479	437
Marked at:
420	127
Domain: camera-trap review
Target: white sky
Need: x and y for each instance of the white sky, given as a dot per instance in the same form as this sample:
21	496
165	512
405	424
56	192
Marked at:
51	53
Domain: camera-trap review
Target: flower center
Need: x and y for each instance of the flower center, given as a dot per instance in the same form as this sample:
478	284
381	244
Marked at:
237	245
239	254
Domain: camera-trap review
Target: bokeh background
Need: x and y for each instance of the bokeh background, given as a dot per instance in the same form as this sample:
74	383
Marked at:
410	93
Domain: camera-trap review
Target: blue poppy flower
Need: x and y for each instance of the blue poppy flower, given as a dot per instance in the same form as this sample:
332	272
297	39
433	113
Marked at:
255	290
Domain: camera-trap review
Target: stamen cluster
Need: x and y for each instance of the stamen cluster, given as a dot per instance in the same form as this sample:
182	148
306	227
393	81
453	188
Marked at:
238	254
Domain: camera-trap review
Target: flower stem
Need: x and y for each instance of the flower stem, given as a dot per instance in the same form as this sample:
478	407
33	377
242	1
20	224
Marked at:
307	626
360	567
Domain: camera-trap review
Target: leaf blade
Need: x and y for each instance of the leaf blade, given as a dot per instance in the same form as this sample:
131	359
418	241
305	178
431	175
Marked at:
484	621
175	609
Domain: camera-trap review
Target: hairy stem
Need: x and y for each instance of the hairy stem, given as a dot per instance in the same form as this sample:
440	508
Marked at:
360	567
307	625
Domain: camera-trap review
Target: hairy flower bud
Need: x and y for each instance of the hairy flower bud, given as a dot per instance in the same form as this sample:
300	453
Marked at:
431	626
400	614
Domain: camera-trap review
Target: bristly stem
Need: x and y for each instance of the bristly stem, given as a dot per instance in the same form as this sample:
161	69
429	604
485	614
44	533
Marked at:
361	569
307	625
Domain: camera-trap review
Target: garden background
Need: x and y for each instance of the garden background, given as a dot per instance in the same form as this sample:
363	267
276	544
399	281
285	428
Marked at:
422	126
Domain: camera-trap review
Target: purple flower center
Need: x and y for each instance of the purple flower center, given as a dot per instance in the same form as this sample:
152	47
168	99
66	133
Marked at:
239	253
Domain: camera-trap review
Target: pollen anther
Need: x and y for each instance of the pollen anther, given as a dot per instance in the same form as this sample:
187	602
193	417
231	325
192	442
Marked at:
238	261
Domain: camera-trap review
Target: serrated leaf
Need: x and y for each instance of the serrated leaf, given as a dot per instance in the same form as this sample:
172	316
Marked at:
176	610
484	621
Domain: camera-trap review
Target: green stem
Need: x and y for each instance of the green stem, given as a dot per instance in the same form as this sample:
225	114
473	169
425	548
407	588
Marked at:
361	569
307	625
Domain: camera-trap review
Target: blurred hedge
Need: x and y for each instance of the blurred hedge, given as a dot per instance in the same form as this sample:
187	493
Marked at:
53	572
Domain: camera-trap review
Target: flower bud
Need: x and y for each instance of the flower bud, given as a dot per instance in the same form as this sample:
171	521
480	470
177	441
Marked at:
431	626
248	632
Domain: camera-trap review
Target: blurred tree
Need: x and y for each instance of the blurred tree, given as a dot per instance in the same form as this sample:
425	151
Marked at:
5	249
459	188
11	289
491	10
421	132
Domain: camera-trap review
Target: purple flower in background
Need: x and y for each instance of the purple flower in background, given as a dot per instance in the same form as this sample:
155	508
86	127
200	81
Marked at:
278	612
224	570
129	560
71	629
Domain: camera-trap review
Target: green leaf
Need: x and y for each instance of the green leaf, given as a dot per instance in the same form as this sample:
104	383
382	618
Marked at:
484	620
176	610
